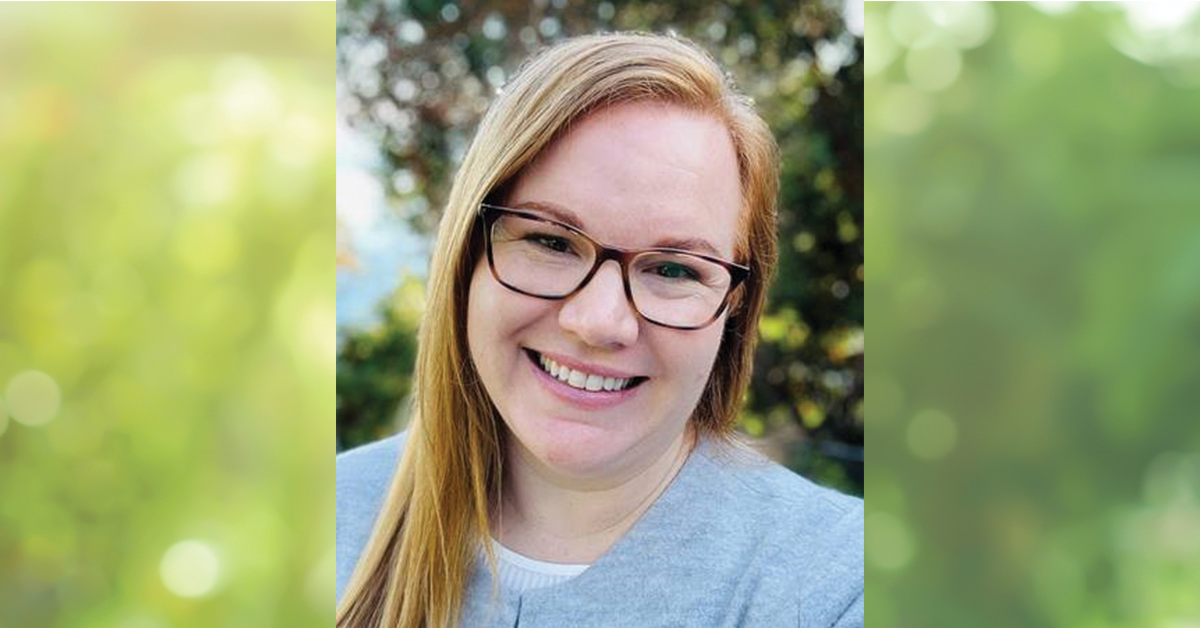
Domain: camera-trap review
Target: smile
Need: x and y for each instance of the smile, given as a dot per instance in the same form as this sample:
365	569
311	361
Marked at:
583	380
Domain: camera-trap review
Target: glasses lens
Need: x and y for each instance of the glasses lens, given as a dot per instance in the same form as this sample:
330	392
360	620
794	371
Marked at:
676	288
539	257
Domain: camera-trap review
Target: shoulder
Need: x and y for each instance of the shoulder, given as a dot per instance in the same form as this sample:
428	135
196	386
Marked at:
752	487
363	465
363	477
797	536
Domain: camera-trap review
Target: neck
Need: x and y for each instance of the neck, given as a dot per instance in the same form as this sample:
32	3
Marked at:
547	517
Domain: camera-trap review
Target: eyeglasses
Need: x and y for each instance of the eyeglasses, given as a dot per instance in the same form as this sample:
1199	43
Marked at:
544	258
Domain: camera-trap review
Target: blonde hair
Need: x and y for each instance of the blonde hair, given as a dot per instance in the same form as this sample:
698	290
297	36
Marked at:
415	568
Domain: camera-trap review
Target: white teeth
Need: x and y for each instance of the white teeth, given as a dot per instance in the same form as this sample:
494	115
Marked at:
579	379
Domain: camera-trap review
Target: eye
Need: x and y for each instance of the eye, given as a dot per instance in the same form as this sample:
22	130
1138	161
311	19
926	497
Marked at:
670	270
550	242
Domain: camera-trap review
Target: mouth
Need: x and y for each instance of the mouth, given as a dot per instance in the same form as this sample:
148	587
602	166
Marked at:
583	380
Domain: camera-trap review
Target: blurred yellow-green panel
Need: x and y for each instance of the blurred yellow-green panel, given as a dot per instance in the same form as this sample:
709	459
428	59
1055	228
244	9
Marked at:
166	314
1033	204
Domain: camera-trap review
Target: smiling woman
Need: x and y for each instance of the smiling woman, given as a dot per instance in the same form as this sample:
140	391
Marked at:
594	298
638	172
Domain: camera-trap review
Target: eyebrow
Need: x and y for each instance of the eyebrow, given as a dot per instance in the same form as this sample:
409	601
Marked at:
564	215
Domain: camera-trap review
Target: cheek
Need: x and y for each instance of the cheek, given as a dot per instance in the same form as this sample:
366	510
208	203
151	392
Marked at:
480	330
694	354
711	346
496	316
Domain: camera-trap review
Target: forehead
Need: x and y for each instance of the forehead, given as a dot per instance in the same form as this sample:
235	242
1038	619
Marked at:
637	173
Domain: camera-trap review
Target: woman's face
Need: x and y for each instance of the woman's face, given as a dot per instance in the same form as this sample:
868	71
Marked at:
633	176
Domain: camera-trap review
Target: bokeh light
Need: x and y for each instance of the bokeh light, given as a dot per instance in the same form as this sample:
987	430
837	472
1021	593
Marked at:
166	333
932	435
1054	7
33	398
190	568
892	542
903	110
933	68
1035	284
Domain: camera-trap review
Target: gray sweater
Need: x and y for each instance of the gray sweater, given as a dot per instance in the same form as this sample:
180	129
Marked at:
733	541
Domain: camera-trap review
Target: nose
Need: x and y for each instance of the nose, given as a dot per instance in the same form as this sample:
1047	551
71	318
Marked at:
600	314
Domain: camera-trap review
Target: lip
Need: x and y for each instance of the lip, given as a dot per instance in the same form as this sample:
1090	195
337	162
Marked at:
583	399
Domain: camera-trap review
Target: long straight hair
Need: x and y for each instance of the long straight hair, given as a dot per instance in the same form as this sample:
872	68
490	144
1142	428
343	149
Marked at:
434	520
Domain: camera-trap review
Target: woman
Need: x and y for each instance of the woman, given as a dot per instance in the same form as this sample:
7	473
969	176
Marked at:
593	304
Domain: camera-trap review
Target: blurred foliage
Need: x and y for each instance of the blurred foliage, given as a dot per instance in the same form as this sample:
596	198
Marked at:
1032	188
368	382
417	76
166	315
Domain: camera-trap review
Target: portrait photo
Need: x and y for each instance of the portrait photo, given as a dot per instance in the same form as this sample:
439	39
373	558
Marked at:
600	315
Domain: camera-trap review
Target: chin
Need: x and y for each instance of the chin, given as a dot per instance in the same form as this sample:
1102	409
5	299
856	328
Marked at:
576	450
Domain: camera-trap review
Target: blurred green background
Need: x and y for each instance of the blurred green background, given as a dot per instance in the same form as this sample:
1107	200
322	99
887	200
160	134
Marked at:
414	78
166	315
1033	196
